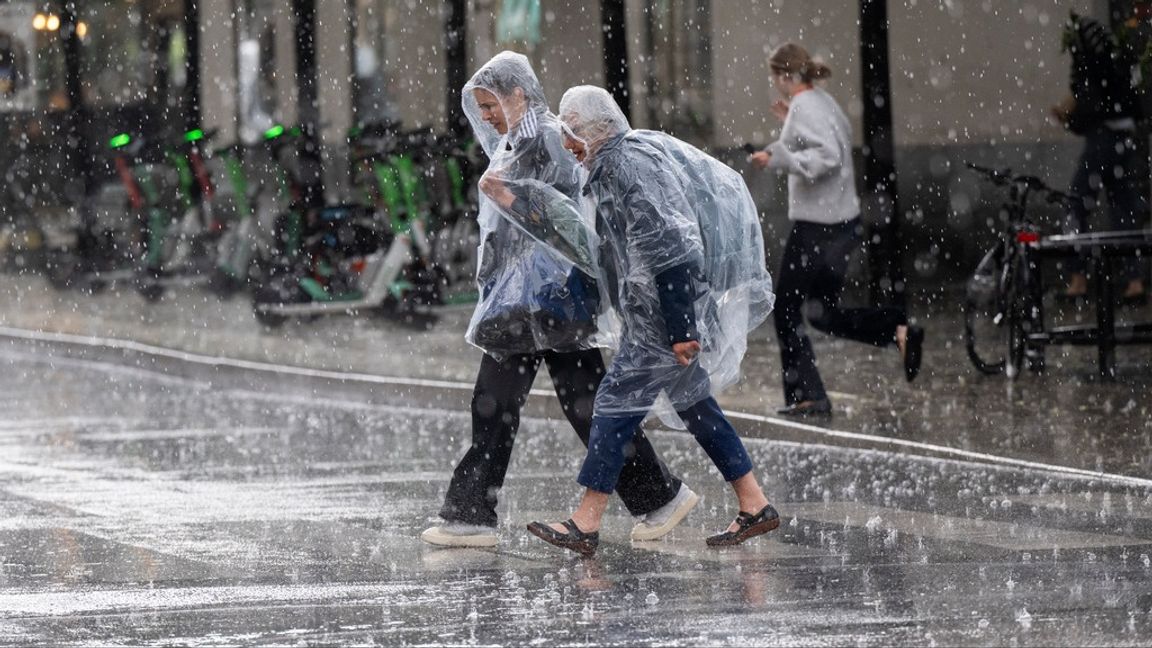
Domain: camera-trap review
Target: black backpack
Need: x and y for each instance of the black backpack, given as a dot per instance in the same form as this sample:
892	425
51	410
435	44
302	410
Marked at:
1102	80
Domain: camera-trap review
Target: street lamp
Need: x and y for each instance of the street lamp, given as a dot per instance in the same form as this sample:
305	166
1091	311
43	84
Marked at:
46	22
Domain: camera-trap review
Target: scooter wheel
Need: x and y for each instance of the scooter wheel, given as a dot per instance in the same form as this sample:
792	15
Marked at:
270	320
97	286
150	291
62	270
224	285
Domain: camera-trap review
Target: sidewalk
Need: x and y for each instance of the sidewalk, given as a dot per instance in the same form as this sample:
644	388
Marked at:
1066	417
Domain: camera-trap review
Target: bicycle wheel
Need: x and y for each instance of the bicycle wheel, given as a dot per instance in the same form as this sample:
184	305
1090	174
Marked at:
985	333
1015	327
1024	318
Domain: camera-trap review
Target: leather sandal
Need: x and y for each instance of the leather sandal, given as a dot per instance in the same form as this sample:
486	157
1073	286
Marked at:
748	526
575	540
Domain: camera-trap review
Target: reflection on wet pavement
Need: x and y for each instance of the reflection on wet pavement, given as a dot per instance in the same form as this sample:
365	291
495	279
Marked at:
156	509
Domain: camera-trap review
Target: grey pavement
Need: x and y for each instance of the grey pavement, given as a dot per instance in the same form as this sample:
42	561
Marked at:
150	498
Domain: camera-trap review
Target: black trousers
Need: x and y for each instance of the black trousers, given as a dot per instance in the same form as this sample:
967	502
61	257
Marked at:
809	285
1108	162
501	389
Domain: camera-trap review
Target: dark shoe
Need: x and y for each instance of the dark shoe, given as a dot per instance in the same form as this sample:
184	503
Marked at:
576	540
818	408
913	352
1138	299
749	525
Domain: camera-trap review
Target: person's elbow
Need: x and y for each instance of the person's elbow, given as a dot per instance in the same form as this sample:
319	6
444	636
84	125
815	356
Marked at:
817	169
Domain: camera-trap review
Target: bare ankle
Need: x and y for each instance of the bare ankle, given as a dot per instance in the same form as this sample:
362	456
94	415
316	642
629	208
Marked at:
753	504
586	523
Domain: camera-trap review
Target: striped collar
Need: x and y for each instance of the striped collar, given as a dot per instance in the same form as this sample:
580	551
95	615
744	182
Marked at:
528	128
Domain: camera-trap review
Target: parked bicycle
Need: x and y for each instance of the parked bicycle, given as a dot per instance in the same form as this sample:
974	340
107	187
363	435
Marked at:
1004	310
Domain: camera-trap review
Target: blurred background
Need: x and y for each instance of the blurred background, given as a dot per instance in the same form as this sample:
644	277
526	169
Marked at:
927	83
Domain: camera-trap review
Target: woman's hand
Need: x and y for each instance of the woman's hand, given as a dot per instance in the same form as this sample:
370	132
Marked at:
760	159
780	109
495	188
1062	111
686	352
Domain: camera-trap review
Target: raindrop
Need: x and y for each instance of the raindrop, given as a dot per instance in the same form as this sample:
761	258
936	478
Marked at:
651	599
587	614
1024	619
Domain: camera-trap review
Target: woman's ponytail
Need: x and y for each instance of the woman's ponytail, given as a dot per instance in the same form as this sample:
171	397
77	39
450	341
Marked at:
790	58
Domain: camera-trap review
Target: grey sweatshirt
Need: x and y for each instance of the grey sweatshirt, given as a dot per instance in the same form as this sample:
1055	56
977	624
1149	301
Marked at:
815	147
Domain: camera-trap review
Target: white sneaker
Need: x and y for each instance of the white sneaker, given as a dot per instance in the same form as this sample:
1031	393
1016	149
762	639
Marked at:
658	523
453	534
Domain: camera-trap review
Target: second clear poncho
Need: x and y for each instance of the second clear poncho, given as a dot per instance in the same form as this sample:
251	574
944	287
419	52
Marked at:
662	204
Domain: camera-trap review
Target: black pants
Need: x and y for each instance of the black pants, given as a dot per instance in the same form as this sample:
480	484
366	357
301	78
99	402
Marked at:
1108	162
809	284
501	389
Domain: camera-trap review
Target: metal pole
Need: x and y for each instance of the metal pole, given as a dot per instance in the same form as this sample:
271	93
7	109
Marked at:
192	119
651	101
455	31
880	200
612	22
80	157
308	103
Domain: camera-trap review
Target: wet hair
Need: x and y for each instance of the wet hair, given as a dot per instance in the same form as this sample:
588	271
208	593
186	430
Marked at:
790	58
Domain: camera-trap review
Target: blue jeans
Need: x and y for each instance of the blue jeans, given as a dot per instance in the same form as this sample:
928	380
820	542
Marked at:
1107	163
612	436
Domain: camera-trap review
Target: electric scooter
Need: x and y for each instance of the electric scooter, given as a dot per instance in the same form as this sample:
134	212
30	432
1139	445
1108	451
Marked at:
363	259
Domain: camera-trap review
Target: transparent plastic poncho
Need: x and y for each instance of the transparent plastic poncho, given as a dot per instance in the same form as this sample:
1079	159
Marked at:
537	250
660	204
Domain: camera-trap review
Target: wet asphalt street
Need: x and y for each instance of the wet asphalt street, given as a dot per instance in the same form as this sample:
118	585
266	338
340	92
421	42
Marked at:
153	498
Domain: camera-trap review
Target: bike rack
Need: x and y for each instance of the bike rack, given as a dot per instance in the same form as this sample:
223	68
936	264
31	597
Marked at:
1104	248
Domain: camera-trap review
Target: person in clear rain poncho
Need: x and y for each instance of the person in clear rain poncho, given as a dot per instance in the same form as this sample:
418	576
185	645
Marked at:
682	263
538	303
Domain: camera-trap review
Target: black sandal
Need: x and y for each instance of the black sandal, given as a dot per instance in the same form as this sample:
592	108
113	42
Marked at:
576	540
748	526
